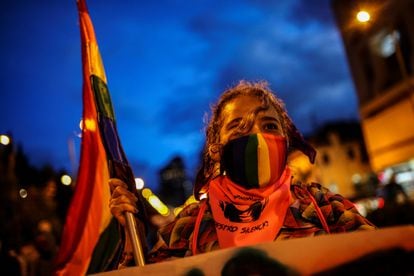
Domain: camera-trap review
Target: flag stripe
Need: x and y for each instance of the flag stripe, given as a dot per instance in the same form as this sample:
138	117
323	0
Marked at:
250	162
264	164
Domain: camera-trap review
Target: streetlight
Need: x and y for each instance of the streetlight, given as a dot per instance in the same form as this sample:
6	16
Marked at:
66	180
390	42
363	16
4	140
139	183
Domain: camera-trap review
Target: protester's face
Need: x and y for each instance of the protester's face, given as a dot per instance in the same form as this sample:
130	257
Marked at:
267	121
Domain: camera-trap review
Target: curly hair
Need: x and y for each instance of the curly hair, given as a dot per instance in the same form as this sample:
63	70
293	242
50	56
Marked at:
212	146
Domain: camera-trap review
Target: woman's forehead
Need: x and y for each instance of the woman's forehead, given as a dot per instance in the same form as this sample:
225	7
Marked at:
242	105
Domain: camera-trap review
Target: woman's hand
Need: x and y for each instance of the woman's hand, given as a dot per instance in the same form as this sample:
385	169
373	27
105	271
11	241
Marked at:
122	200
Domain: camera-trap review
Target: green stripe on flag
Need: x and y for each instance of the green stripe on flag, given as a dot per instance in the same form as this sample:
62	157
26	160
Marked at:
103	100
106	254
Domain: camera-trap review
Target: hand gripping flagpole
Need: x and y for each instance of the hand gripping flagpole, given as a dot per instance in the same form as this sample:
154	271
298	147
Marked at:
123	171
95	82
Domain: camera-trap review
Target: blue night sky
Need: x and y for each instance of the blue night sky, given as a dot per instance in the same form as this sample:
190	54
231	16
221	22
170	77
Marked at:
166	63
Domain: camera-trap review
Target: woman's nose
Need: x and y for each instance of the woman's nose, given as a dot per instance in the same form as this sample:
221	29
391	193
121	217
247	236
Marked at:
254	129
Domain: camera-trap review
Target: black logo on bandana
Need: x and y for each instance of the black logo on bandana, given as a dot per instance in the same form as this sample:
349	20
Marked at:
232	213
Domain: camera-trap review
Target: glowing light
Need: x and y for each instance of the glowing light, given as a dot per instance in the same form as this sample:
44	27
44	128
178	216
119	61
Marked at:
356	178
89	124
381	203
203	196
361	209
363	16
4	139
385	42
158	205
190	200
404	177
66	180
146	193
177	210
367	205
23	193
139	183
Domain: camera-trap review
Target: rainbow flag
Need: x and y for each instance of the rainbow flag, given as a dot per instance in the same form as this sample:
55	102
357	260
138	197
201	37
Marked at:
91	240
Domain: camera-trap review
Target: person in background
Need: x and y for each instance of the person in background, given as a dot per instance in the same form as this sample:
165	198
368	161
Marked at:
246	191
393	193
398	208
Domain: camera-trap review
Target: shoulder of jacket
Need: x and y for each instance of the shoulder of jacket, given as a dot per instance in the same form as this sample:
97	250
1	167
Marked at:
308	186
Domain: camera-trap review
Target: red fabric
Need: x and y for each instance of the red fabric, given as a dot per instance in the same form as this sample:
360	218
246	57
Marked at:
277	154
87	216
197	226
248	216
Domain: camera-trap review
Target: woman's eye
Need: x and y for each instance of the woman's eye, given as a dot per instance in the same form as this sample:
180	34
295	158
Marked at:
233	125
271	126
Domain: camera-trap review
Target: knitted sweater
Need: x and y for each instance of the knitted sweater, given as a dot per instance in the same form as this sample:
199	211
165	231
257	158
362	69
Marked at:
333	213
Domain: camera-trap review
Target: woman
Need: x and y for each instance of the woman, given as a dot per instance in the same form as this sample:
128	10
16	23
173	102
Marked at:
246	185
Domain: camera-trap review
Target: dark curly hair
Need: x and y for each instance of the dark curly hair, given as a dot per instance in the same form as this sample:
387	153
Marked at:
261	90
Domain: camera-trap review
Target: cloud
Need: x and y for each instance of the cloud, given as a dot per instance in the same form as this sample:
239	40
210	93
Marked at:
305	12
305	67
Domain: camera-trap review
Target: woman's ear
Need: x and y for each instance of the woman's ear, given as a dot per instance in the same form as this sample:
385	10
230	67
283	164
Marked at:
297	142
215	150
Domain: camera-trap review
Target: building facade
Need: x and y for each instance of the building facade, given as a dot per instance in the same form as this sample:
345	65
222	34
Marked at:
341	162
380	53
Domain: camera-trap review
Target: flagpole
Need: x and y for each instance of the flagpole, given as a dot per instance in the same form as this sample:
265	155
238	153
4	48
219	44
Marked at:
120	169
135	241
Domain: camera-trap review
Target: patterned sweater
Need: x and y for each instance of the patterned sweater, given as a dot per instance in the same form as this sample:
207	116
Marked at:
302	220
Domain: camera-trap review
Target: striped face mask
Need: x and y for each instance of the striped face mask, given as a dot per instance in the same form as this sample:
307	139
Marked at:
254	161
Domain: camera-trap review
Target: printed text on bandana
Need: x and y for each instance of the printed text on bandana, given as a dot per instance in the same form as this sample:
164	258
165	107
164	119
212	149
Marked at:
241	230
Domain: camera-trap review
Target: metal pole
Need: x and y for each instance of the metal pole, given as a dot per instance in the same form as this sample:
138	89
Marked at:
137	250
400	58
403	68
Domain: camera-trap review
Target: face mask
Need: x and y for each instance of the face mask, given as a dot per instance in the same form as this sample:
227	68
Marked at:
254	161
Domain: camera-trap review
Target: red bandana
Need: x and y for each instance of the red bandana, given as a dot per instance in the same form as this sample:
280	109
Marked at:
248	216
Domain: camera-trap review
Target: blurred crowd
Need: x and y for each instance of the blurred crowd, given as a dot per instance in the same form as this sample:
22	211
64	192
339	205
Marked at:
32	219
395	208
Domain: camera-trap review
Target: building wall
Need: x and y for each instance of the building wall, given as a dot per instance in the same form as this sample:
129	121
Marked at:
338	164
389	135
384	84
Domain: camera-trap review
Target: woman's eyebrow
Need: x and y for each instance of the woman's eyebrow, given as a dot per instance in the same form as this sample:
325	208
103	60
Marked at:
270	118
267	119
234	121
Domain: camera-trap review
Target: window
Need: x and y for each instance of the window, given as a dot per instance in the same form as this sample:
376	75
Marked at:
325	159
351	154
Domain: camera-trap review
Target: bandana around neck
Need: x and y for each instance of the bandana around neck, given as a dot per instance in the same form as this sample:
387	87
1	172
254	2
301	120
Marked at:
248	216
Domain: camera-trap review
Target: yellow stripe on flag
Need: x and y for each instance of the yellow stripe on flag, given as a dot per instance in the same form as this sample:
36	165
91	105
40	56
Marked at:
263	160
